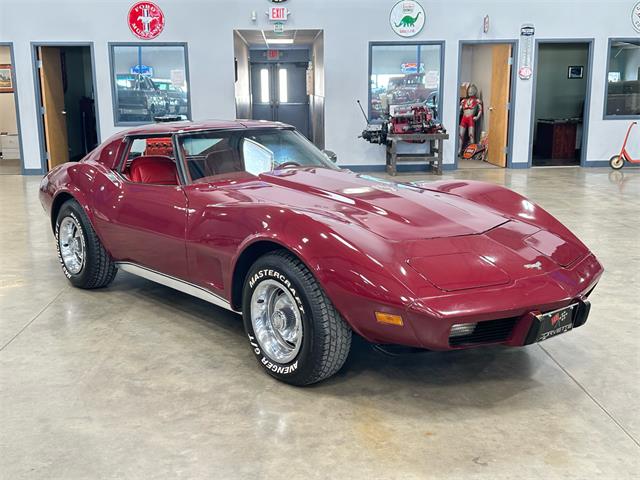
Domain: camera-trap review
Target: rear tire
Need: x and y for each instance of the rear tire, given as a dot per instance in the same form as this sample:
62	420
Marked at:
84	260
294	330
616	162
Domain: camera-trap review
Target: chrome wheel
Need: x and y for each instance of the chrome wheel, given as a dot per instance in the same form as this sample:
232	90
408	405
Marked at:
276	321
71	244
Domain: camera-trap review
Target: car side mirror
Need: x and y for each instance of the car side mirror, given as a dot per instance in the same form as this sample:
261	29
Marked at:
331	155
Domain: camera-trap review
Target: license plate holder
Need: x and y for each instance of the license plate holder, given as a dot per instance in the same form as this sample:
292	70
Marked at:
555	323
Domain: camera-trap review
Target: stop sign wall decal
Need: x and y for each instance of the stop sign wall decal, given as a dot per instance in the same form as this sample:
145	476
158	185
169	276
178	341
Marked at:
146	20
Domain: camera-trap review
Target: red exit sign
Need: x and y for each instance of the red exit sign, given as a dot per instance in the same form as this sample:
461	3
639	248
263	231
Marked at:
278	13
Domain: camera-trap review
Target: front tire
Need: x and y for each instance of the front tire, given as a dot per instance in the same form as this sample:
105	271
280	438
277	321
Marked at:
616	162
84	260
294	330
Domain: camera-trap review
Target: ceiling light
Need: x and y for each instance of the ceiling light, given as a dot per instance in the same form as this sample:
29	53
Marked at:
280	41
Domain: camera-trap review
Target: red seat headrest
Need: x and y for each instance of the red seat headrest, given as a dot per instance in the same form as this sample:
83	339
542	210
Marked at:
154	169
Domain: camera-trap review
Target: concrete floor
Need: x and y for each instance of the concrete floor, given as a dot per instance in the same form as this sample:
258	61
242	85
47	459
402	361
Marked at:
139	381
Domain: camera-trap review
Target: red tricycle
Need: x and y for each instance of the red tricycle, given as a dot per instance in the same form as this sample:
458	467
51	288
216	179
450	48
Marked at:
617	161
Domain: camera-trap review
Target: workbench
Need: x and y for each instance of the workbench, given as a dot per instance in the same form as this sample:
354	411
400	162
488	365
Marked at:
433	158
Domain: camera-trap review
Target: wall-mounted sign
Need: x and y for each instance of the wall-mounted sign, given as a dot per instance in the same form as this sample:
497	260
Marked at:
635	17
407	18
278	27
178	78
273	54
485	24
525	70
144	70
278	14
411	67
146	20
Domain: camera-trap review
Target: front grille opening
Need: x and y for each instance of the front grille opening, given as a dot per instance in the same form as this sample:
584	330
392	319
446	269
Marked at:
491	331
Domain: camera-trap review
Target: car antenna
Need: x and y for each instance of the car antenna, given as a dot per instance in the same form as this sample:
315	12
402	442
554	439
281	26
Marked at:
366	119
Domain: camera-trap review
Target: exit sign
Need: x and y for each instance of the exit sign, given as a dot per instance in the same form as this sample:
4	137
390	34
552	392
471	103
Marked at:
278	14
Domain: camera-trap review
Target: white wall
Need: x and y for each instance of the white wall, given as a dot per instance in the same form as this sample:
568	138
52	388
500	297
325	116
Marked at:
348	27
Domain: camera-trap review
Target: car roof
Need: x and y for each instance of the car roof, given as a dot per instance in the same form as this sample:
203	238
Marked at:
110	151
185	126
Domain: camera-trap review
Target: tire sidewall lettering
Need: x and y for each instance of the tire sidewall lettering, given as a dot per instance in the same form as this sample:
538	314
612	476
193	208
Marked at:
266	362
66	272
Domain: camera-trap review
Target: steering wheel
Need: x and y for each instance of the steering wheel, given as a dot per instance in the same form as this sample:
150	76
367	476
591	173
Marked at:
288	164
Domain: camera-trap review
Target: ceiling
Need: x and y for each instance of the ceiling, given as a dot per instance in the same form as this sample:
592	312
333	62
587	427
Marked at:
256	38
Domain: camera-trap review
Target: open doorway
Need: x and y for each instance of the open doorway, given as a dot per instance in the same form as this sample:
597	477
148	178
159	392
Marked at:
10	157
486	88
560	103
66	91
280	77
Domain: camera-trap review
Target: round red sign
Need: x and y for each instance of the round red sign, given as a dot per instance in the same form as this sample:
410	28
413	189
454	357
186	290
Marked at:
146	20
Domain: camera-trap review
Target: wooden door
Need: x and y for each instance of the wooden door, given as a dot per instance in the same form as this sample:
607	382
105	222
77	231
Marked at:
498	105
55	122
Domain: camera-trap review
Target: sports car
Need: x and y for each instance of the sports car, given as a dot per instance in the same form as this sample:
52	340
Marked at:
252	217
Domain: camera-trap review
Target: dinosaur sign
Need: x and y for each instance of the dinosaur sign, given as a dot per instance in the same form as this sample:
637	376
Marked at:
146	20
635	17
407	18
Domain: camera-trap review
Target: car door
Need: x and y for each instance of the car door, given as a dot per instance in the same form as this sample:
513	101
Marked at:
215	227
147	217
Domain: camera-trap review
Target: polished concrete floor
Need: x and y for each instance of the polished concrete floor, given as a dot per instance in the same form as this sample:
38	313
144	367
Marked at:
139	381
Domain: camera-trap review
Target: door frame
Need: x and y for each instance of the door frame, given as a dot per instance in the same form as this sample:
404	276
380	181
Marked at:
512	93
14	79
44	164
587	102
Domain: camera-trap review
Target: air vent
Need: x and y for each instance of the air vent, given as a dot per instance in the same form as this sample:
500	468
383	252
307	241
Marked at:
491	331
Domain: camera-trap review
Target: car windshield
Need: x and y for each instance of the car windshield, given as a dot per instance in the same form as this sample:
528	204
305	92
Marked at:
213	155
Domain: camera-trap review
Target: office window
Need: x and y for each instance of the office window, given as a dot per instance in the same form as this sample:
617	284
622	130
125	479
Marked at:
149	81
404	73
623	79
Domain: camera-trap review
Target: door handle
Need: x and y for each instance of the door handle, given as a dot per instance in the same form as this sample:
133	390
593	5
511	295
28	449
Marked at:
491	109
63	112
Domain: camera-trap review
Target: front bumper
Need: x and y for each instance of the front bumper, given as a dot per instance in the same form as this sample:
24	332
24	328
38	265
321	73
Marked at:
505	315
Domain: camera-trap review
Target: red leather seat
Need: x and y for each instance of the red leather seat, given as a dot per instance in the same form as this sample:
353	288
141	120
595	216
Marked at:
153	169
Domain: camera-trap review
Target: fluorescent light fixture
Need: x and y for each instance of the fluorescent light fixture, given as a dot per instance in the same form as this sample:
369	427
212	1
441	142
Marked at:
279	41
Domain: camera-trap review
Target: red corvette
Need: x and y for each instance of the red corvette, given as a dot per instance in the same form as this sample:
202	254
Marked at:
252	217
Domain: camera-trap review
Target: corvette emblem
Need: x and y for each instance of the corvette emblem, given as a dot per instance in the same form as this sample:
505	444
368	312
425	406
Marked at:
531	266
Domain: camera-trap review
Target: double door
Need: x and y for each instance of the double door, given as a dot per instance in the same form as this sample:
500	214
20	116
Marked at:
279	93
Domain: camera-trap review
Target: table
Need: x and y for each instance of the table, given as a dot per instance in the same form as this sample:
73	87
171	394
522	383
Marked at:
556	139
434	158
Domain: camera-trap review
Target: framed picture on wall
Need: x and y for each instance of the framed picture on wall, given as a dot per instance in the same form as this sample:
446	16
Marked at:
575	71
6	78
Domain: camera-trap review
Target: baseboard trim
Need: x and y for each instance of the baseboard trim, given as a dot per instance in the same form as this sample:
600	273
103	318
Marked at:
410	167
32	171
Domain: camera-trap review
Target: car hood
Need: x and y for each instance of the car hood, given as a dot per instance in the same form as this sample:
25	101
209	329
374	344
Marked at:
393	211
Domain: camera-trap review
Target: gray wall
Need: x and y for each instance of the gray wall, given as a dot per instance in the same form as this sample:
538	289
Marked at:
242	84
316	101
557	96
349	26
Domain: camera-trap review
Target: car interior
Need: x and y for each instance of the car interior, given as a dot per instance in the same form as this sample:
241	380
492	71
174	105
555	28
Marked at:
151	161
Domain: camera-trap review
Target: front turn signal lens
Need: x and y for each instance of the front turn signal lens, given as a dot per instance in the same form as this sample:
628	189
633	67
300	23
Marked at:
389	319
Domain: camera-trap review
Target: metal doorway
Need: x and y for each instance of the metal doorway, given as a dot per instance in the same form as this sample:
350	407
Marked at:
278	93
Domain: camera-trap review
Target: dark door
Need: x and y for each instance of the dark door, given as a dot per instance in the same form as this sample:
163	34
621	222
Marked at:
279	93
